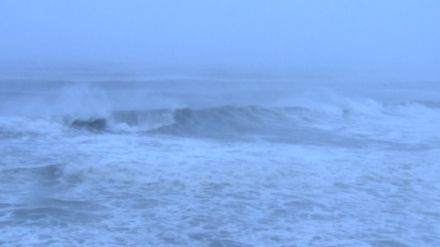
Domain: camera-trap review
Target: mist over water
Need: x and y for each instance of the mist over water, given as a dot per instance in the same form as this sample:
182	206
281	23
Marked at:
289	123
372	38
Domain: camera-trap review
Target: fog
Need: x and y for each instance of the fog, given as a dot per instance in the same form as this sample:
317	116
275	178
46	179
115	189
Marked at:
219	123
376	38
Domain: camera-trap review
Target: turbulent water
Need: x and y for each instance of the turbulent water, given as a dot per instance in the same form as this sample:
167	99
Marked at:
218	162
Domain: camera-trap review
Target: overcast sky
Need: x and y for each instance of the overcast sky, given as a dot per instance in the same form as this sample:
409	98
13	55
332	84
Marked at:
277	35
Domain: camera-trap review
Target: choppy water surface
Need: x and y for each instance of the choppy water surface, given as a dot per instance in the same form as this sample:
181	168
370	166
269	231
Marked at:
171	163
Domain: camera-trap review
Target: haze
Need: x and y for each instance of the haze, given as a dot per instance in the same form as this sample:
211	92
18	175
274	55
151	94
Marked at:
369	37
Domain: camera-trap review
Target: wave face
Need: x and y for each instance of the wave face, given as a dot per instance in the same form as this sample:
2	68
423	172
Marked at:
226	121
221	163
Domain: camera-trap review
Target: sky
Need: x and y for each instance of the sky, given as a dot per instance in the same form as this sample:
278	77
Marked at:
371	36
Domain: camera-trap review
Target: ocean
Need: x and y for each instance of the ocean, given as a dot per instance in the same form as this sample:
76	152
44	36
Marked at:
219	161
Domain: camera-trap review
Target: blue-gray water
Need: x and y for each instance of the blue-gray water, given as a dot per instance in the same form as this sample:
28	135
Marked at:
187	161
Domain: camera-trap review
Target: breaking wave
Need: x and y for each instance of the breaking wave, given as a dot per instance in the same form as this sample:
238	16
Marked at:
411	122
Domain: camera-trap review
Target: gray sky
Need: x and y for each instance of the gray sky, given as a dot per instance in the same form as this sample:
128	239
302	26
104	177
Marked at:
273	35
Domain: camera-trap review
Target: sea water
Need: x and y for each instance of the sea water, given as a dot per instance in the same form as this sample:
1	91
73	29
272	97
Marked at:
198	161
